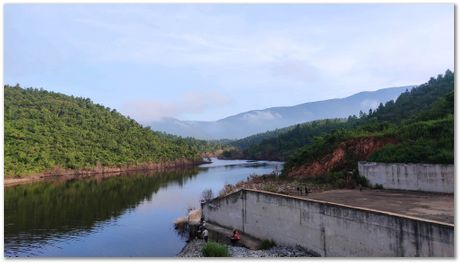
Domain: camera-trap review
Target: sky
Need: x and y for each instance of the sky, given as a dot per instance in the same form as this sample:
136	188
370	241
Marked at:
209	61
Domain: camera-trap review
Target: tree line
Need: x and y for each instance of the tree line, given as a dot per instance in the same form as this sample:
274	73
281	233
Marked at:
421	121
46	129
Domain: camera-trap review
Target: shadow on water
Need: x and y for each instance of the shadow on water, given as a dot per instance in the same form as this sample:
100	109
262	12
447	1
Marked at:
37	213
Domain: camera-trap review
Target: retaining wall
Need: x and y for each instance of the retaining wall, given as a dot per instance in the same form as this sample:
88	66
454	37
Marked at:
329	229
419	177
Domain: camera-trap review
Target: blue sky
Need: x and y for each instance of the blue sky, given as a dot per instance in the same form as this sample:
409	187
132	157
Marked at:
205	62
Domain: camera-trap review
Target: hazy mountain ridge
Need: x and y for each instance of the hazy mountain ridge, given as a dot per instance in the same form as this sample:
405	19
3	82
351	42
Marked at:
258	121
417	127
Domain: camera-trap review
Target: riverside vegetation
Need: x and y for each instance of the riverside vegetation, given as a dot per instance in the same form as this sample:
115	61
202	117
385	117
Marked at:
417	127
47	130
420	125
421	121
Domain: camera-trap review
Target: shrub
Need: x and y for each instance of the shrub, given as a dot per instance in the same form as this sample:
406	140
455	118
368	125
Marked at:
213	249
267	244
207	194
360	180
336	179
269	187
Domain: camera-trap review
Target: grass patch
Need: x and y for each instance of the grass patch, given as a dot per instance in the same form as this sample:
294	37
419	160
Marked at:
269	188
213	249
267	244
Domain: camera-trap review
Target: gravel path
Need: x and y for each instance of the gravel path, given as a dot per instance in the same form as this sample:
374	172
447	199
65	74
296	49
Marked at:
193	249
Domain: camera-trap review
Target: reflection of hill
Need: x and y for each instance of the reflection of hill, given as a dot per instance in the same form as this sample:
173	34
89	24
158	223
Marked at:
48	210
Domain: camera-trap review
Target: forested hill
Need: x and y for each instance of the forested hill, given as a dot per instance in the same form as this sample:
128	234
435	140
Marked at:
44	130
431	103
280	143
416	128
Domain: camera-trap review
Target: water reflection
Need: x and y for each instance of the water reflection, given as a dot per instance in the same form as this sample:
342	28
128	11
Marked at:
36	213
115	216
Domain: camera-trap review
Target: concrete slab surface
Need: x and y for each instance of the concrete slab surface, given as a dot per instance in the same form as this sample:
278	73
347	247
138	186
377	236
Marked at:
432	206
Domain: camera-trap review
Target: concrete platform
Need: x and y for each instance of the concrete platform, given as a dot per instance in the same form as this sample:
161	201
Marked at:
432	206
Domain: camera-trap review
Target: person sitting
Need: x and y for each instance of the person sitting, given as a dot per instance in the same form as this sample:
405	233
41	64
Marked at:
235	237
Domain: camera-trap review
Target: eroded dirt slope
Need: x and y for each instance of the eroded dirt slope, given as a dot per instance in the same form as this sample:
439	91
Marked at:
353	149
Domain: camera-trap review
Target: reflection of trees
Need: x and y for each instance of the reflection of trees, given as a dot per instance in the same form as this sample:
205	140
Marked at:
44	210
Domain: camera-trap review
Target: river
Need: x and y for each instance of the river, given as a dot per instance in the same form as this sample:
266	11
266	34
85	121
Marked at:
119	216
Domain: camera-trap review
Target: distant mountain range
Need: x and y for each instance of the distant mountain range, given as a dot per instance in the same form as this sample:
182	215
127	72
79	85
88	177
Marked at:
257	121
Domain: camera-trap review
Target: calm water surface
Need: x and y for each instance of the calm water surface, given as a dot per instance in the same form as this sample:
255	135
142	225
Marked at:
116	216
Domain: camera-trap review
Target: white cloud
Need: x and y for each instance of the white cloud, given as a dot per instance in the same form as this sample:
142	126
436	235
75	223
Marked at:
267	54
260	116
336	52
146	111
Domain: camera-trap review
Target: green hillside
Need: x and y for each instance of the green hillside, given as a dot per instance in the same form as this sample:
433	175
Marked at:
421	122
279	144
45	129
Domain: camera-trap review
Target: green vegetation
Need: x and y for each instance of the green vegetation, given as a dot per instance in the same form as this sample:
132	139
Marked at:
45	130
421	142
338	179
213	249
421	122
267	244
431	100
281	143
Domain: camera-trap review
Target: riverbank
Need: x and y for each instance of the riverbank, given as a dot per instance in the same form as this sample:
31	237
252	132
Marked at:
194	247
68	174
276	184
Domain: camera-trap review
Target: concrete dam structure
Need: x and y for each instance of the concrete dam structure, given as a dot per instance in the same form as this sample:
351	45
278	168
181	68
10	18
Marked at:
330	229
418	177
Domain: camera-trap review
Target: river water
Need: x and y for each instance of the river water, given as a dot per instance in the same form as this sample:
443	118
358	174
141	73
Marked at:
119	216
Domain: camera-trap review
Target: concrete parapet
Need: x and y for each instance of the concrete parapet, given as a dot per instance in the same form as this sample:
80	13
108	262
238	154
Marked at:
330	229
419	177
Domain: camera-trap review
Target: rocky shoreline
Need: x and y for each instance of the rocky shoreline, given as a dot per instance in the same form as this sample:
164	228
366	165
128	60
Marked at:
194	247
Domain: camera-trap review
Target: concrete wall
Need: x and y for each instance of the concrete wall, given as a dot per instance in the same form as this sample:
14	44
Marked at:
420	177
329	229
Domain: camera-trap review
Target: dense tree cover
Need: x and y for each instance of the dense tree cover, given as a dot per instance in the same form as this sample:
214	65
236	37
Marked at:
252	140
278	144
46	129
421	142
419	102
421	121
